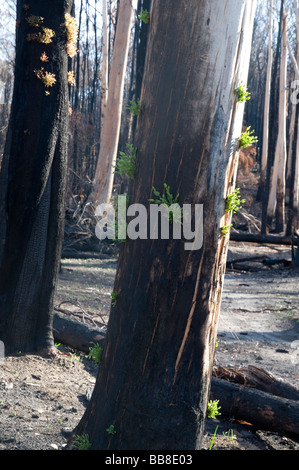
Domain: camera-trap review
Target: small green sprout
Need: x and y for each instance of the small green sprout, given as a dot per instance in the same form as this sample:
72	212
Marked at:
247	139
95	353
111	431
213	439
168	199
144	16
82	442
114	298
134	107
242	93
230	434
126	164
213	409
233	201
225	229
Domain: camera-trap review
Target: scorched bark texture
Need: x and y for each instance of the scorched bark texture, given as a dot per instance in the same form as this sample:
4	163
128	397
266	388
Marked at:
33	178
154	379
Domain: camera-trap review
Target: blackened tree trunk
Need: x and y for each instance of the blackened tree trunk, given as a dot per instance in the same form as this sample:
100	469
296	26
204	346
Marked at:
276	201
273	129
153	383
141	38
33	177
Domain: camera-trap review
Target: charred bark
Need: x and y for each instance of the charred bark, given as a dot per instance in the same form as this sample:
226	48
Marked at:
34	175
155	375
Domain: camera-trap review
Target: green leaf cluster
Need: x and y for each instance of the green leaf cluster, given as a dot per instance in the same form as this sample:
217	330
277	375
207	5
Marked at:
134	107
82	442
242	93
233	201
126	163
95	353
247	139
213	409
225	229
168	199
111	431
144	16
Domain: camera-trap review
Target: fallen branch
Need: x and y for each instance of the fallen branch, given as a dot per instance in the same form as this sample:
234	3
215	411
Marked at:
256	377
76	334
263	410
267	239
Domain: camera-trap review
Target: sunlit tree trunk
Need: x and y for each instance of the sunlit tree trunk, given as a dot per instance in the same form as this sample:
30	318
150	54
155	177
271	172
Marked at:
276	203
154	379
105	61
103	180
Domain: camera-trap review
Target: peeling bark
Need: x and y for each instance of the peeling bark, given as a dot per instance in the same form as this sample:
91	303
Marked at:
154	379
276	201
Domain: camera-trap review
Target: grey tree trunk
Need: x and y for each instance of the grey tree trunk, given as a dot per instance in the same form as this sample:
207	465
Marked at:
103	180
276	203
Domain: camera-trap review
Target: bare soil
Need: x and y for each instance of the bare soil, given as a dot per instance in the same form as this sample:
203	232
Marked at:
42	399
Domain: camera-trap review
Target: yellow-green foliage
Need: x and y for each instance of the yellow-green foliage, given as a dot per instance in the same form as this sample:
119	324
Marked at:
71	35
44	37
71	78
47	78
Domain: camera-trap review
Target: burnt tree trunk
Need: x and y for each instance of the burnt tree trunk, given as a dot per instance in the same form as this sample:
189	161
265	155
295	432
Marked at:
33	178
154	379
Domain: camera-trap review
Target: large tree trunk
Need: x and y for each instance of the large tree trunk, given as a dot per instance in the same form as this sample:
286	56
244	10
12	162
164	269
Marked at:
33	182
154	379
295	167
103	180
276	201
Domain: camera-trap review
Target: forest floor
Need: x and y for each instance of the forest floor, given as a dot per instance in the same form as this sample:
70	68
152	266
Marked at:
42	399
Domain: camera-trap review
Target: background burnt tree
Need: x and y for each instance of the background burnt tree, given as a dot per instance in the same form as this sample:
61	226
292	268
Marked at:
33	177
154	378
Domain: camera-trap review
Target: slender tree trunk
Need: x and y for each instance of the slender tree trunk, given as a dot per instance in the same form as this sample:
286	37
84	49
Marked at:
154	380
105	60
267	103
103	180
141	53
273	130
33	181
277	191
